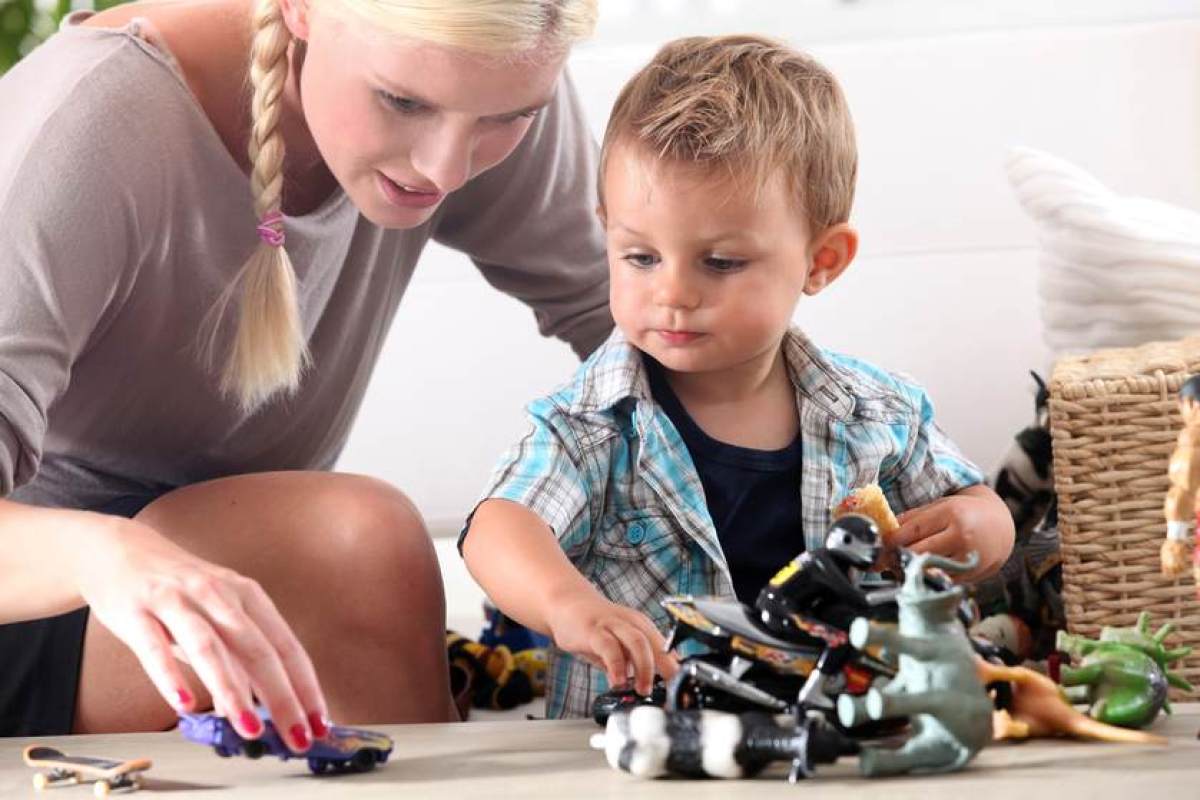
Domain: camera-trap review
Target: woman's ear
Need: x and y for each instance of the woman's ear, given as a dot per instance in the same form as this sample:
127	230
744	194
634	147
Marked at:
295	16
832	252
600	215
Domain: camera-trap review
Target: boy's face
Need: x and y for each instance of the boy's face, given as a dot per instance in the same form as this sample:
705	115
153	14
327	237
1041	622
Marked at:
703	277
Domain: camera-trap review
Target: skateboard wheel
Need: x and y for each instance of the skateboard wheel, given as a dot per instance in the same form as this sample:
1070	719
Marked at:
40	781
101	789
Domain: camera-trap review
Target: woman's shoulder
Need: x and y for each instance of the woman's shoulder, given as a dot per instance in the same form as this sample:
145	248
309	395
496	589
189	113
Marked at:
88	97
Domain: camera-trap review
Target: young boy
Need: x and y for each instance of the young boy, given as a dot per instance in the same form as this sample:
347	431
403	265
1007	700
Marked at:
704	444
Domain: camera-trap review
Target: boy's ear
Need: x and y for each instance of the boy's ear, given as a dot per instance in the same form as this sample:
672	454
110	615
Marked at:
295	16
832	252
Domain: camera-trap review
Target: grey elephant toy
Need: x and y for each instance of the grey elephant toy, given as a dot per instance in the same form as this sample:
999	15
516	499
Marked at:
937	686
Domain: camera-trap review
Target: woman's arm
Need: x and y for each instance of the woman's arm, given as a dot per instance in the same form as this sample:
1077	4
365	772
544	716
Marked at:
163	603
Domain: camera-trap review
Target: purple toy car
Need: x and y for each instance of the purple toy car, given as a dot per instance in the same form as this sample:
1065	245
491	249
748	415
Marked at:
341	750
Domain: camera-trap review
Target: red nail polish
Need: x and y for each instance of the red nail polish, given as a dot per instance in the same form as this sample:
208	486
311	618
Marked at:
319	728
183	698
250	722
299	736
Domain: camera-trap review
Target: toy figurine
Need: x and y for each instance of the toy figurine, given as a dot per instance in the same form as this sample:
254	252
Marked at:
1036	708
937	686
1180	505
1123	676
650	743
824	584
342	749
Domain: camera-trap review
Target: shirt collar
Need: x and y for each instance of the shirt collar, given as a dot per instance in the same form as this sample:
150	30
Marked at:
616	372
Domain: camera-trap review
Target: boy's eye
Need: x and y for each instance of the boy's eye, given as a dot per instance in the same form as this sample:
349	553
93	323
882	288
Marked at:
724	264
402	104
641	259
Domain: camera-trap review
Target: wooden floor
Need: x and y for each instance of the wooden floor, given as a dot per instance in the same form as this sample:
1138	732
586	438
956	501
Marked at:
537	759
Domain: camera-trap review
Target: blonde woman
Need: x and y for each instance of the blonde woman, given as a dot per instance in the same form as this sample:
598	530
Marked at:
211	210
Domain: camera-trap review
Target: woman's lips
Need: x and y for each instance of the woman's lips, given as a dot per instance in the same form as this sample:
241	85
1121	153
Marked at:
679	337
407	198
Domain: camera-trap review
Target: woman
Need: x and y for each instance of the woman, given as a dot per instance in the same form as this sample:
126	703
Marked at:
200	258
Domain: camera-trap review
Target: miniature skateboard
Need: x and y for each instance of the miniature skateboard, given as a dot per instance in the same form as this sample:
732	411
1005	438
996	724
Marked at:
108	774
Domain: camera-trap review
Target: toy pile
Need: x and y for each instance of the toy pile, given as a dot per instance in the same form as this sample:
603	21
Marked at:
832	661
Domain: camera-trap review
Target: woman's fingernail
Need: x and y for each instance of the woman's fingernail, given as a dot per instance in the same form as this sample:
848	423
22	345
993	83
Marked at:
183	698
251	722
317	723
299	736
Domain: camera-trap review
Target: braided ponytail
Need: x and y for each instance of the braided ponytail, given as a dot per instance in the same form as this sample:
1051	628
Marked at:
269	352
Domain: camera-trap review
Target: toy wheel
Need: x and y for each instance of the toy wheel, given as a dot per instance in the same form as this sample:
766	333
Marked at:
40	781
318	766
101	789
254	749
363	761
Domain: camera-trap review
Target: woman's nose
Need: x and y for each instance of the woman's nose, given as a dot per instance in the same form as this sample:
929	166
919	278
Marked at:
444	156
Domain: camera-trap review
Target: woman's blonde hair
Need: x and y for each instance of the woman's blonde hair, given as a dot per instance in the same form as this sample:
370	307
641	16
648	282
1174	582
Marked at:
269	352
749	107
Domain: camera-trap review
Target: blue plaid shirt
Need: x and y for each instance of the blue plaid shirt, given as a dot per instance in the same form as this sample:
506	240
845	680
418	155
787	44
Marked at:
605	468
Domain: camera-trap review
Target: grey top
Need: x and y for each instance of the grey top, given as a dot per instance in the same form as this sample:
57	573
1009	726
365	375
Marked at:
124	216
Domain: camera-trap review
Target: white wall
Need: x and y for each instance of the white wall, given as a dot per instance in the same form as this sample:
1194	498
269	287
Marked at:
945	285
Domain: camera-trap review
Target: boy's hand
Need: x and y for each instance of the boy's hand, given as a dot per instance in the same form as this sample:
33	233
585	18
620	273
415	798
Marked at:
973	519
612	637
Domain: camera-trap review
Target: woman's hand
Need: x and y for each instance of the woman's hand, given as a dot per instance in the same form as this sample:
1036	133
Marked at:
612	637
162	601
972	519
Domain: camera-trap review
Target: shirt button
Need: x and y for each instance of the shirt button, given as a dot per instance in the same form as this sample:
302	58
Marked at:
636	534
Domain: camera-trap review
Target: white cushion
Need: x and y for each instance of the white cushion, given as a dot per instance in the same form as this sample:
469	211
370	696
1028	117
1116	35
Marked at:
1114	271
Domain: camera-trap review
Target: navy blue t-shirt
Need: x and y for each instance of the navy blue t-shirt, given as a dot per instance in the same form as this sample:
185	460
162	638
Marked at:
753	496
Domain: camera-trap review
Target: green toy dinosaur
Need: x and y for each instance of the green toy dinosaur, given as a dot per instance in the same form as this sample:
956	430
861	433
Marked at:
937	686
1124	676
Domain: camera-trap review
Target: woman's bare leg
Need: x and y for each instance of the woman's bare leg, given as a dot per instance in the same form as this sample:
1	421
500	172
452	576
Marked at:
349	564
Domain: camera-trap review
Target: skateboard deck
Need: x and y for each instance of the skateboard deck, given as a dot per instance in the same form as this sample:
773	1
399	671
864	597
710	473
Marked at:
108	773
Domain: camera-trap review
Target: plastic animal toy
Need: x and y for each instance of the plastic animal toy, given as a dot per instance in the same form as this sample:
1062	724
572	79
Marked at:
1036	709
937	686
649	742
341	750
1124	676
1180	505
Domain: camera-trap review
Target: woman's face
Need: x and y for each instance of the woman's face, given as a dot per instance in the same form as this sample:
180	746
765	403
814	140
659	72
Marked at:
401	123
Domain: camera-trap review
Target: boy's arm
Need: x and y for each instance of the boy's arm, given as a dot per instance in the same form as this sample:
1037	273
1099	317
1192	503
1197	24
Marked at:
515	557
950	510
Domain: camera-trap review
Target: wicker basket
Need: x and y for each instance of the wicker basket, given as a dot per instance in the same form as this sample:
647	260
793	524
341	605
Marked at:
1114	419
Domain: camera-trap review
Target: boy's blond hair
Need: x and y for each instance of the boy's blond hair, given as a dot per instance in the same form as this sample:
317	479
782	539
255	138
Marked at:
747	106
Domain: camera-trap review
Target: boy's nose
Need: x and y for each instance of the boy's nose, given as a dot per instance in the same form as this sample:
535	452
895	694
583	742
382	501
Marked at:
674	289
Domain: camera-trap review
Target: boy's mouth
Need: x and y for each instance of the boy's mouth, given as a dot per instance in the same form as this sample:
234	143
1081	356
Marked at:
673	337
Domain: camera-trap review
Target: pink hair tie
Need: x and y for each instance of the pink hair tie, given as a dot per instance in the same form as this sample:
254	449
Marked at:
270	230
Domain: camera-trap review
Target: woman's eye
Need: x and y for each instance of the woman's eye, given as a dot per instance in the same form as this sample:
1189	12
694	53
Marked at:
641	259
402	104
511	118
724	264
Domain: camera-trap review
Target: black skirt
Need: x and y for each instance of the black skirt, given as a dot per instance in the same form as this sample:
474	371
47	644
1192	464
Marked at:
40	661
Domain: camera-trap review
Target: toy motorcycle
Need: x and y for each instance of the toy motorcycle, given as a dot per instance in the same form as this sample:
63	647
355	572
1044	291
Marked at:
790	652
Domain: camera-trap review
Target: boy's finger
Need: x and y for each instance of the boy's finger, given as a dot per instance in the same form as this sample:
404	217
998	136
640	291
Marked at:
666	663
942	543
640	653
608	649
